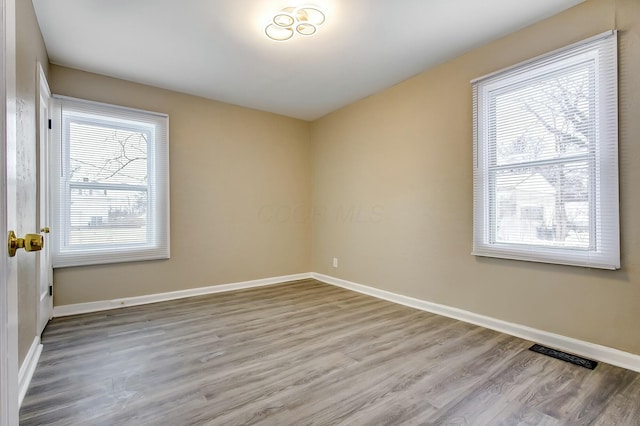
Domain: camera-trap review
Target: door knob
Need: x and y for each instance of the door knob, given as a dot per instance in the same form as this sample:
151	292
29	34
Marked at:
45	230
30	242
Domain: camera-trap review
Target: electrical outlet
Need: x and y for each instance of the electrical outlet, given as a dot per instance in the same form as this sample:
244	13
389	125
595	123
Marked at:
335	262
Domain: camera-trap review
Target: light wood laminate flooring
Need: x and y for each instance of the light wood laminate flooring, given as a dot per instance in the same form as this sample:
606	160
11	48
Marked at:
307	353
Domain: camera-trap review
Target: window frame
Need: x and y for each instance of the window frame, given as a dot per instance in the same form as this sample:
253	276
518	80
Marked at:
603	251
157	245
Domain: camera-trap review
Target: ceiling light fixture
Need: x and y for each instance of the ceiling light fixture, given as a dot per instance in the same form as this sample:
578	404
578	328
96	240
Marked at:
290	21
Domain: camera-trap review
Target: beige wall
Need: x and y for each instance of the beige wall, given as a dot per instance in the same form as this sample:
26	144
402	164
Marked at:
30	50
232	169
393	193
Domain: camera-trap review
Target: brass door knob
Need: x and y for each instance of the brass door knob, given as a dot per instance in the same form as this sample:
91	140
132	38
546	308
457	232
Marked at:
30	242
33	242
45	230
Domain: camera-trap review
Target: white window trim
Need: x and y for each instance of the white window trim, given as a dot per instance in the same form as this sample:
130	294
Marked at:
158	246
606	251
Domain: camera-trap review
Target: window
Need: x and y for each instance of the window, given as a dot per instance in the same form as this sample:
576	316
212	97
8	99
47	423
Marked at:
546	160
110	184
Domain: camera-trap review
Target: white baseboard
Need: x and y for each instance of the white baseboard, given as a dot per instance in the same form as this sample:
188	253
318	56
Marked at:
27	368
566	344
103	305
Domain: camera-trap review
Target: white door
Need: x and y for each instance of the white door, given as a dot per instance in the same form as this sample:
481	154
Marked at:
45	271
8	218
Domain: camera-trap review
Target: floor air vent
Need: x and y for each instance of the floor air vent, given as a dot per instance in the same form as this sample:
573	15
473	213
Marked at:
573	359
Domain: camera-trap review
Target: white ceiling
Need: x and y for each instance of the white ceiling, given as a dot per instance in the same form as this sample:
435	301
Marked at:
217	48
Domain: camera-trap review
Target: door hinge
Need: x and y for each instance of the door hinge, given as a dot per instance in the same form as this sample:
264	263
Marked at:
50	124
50	290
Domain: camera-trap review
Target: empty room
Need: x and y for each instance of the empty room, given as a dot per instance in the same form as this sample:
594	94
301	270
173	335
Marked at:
362	212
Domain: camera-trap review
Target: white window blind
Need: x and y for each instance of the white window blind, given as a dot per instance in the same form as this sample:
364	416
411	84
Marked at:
546	158
110	183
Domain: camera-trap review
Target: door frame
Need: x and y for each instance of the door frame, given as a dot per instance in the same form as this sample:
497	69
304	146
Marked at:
45	272
9	408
